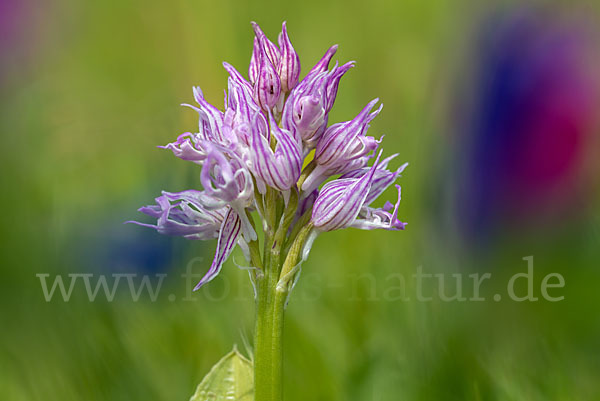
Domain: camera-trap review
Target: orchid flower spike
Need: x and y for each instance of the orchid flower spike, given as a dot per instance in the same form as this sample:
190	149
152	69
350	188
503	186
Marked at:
253	160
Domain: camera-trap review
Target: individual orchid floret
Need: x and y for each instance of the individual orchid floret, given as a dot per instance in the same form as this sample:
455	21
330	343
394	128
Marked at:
184	214
345	202
211	118
334	76
228	182
188	146
309	103
225	178
304	111
309	117
340	201
343	147
242	113
279	168
371	218
344	142
289	64
265	46
267	88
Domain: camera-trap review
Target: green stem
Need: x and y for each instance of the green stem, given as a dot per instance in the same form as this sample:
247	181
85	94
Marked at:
306	172
273	290
268	341
268	347
294	254
277	344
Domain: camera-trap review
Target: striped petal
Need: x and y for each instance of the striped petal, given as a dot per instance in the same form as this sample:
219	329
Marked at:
267	88
323	64
254	66
188	146
334	82
370	218
280	168
304	111
382	179
228	236
223	176
211	118
242	110
184	214
340	201
269	48
343	142
289	64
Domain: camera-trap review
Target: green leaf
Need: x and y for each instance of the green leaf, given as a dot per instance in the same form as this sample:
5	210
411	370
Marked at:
230	379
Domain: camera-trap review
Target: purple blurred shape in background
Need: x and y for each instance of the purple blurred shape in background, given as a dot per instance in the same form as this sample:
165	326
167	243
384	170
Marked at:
530	128
20	35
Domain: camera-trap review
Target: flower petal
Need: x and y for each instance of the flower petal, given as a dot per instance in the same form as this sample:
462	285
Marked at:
281	168
289	65
228	235
345	141
187	147
370	219
267	89
269	48
340	201
223	176
323	64
254	66
334	82
184	214
382	179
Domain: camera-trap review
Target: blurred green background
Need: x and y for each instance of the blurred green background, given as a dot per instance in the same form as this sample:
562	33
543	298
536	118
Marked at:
89	89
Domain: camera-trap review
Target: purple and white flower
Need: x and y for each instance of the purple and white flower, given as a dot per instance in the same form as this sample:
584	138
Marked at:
184	214
343	147
251	154
308	105
279	168
345	202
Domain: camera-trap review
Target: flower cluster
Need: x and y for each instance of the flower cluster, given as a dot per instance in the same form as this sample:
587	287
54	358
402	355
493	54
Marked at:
269	151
